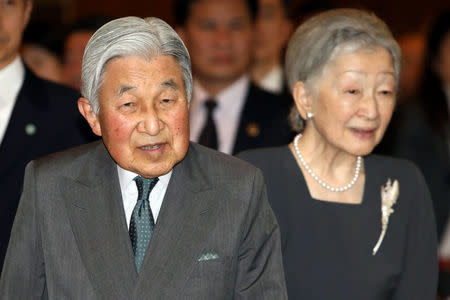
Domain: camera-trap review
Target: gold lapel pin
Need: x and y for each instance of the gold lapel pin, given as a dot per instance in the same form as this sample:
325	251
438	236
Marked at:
253	129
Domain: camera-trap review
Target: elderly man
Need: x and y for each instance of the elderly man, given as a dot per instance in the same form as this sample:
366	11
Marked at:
205	232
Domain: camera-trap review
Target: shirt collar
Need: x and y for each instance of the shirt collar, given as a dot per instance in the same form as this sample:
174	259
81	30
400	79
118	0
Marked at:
11	79
126	178
227	98
273	81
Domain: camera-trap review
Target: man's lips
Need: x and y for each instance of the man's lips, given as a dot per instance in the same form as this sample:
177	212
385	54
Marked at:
151	147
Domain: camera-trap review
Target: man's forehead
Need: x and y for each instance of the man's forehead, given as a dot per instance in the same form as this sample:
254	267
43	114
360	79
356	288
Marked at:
239	8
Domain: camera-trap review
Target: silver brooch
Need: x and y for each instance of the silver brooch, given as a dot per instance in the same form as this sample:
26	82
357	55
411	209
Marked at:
389	196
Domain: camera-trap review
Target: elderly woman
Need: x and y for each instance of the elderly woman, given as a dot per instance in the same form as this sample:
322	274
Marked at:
354	225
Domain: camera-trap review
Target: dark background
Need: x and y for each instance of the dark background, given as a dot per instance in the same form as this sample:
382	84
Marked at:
401	15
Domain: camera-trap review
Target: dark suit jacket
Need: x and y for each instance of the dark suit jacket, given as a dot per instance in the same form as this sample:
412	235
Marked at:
263	122
51	111
70	238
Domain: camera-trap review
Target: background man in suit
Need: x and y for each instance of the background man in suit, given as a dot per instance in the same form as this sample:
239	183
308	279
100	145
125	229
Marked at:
37	117
274	26
207	231
218	34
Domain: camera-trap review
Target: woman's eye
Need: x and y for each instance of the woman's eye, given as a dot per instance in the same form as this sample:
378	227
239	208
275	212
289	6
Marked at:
353	91
386	93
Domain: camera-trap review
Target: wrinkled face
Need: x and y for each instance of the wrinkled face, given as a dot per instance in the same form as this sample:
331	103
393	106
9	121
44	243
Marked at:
218	36
73	57
273	29
14	17
143	116
443	61
354	101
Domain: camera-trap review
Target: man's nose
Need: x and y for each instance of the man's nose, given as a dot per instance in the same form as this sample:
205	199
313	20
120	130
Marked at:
150	122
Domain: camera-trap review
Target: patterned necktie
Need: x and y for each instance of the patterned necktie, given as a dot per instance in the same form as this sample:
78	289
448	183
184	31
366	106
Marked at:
208	137
142	222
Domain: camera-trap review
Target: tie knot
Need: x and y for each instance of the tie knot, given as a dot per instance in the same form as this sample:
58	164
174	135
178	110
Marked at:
145	186
210	105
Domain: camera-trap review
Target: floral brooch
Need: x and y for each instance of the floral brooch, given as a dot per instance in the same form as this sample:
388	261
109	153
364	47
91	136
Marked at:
389	196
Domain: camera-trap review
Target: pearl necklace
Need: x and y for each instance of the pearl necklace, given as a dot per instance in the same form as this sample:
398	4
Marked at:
320	181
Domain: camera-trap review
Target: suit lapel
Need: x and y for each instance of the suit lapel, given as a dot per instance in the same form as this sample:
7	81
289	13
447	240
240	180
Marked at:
16	141
95	208
186	215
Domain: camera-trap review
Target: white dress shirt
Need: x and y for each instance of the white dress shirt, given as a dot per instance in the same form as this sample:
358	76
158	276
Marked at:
130	193
227	113
273	81
11	80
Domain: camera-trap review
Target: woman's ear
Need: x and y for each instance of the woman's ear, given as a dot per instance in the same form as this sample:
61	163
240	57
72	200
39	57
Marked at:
302	99
86	109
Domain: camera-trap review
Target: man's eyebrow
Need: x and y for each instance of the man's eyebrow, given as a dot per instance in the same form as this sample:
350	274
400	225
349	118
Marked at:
170	84
125	88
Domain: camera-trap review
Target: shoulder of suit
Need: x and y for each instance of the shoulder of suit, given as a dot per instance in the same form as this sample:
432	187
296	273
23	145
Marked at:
40	87
215	162
68	160
264	98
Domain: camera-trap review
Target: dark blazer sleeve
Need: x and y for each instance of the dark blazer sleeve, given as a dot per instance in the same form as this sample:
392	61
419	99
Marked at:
23	275
260	268
419	277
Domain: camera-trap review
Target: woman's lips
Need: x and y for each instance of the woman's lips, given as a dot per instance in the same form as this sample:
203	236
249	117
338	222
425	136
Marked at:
364	133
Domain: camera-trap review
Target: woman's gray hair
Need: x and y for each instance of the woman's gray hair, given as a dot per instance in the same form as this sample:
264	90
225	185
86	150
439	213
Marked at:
130	36
324	37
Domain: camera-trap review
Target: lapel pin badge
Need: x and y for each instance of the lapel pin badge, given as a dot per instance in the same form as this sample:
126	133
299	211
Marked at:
253	129
30	129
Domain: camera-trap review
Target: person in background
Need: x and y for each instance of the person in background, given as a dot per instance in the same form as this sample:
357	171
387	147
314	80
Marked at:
144	213
41	50
353	225
228	112
412	45
37	117
273	29
74	43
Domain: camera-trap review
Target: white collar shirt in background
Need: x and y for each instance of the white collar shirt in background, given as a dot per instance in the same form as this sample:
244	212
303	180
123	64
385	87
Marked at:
11	80
227	113
273	81
130	193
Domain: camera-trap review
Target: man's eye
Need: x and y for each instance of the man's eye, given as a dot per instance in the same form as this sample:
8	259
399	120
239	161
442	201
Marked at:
7	2
206	25
128	104
167	100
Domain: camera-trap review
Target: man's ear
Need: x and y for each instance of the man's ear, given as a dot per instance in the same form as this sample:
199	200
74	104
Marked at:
302	99
86	109
28	10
